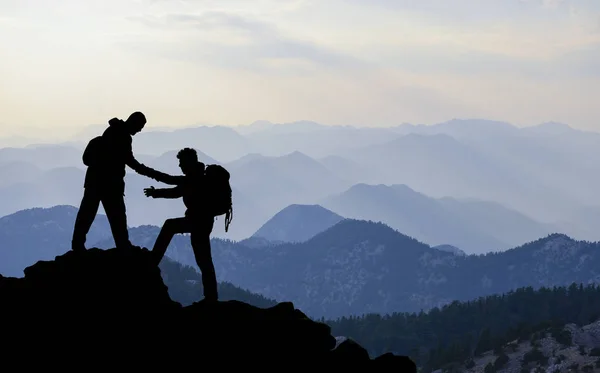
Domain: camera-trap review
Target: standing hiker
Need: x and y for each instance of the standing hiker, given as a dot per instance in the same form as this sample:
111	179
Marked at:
106	157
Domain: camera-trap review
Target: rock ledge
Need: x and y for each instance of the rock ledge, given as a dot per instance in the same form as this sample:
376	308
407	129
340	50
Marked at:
111	308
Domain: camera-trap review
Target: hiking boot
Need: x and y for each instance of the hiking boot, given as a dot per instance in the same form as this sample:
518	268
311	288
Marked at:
207	302
128	247
78	248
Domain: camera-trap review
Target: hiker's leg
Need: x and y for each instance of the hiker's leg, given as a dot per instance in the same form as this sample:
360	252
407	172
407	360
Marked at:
200	237
114	206
85	218
170	228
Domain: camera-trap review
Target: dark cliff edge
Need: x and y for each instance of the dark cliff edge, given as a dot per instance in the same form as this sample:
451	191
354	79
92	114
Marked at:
110	308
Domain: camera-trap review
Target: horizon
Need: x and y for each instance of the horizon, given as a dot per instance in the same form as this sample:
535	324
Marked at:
72	134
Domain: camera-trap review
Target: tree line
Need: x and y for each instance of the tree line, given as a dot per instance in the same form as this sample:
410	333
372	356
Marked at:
459	331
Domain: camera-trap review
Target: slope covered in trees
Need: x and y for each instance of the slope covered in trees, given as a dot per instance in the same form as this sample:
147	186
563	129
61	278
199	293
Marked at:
358	267
462	330
184	284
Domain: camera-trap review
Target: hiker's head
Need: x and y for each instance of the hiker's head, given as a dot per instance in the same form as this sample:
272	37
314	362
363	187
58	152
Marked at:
188	161
135	122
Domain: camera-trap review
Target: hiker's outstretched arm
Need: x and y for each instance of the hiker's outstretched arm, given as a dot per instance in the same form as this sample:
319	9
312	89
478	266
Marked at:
144	170
162	177
138	167
134	163
175	192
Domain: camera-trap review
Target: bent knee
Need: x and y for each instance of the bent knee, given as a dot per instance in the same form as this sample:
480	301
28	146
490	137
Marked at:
170	222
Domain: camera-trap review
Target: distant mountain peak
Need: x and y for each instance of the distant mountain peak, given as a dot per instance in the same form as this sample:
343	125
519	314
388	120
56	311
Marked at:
560	124
353	229
257	125
298	223
397	188
553	124
172	155
550	128
555	238
403	188
36	211
261	122
298	156
478	122
554	245
451	249
559	238
304	123
365	186
297	153
307	207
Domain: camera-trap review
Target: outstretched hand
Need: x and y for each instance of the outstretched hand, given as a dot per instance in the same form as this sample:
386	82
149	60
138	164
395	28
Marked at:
149	192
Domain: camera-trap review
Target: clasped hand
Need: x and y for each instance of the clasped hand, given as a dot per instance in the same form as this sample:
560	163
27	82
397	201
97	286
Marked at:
149	192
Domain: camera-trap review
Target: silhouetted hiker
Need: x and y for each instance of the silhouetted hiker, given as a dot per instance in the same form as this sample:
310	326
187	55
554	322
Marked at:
206	193
106	157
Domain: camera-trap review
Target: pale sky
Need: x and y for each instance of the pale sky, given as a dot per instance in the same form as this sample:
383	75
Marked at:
358	62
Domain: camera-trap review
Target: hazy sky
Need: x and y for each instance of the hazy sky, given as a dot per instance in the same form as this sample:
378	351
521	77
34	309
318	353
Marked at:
360	62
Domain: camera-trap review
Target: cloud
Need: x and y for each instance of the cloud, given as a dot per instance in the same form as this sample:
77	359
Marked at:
235	41
208	22
485	10
527	37
336	61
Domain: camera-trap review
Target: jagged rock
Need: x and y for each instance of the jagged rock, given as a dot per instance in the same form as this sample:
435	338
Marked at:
588	335
339	340
111	307
349	350
390	360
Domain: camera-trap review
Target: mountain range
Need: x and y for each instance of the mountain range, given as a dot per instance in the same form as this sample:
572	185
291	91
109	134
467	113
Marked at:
352	267
474	226
356	267
489	185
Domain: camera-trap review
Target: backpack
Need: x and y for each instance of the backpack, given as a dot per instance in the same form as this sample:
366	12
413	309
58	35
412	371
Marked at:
92	155
219	192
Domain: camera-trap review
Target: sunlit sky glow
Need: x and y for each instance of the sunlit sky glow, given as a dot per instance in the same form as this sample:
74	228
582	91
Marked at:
360	62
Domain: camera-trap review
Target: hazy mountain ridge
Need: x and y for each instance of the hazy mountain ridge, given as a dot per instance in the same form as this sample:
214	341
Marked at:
358	266
475	226
261	186
223	143
547	172
440	165
41	234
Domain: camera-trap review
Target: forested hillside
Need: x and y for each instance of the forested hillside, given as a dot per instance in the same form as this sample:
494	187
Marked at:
185	286
461	331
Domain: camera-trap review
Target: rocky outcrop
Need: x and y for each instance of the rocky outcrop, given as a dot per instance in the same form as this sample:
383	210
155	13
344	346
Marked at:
110	308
